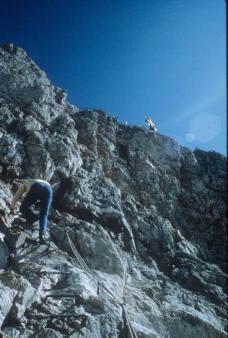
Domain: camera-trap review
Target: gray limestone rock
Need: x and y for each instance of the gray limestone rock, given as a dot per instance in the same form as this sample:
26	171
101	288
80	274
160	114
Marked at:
145	217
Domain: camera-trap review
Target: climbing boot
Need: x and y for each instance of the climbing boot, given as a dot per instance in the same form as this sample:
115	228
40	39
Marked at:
43	239
18	221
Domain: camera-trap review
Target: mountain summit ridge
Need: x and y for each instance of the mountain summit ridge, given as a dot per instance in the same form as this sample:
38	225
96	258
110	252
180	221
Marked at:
142	217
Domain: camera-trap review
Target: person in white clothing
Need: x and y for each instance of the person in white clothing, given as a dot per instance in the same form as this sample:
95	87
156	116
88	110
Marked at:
151	124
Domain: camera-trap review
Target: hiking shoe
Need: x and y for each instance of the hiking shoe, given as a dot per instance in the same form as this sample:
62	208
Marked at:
18	221
43	239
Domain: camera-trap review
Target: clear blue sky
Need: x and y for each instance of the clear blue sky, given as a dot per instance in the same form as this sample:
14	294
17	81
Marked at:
165	58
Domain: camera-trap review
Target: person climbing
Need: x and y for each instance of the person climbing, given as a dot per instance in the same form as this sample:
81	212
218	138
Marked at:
114	119
35	190
151	124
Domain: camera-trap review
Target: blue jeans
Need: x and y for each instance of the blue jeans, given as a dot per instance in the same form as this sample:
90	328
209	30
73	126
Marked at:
38	192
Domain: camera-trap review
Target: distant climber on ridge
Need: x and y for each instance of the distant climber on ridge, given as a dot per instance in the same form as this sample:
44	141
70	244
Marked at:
151	124
35	190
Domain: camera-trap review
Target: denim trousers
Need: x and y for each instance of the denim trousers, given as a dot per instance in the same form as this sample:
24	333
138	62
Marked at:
41	192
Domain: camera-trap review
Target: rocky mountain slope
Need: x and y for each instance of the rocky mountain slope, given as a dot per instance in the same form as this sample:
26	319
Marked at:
137	229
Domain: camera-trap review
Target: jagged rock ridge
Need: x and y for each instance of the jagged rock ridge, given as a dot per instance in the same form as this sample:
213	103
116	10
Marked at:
146	214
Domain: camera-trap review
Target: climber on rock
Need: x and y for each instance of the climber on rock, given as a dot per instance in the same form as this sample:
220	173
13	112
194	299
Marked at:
151	124
35	190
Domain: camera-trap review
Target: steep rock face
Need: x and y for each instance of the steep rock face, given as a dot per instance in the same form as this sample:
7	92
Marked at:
146	215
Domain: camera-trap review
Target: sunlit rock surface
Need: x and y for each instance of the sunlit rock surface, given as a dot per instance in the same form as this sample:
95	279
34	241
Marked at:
146	215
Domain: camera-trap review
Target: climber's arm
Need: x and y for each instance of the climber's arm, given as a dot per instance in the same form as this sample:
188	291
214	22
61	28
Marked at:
17	197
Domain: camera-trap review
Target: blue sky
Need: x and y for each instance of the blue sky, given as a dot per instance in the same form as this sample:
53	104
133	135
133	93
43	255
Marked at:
132	58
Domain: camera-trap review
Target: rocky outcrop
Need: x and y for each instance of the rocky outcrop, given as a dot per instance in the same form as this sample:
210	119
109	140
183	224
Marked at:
137	228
